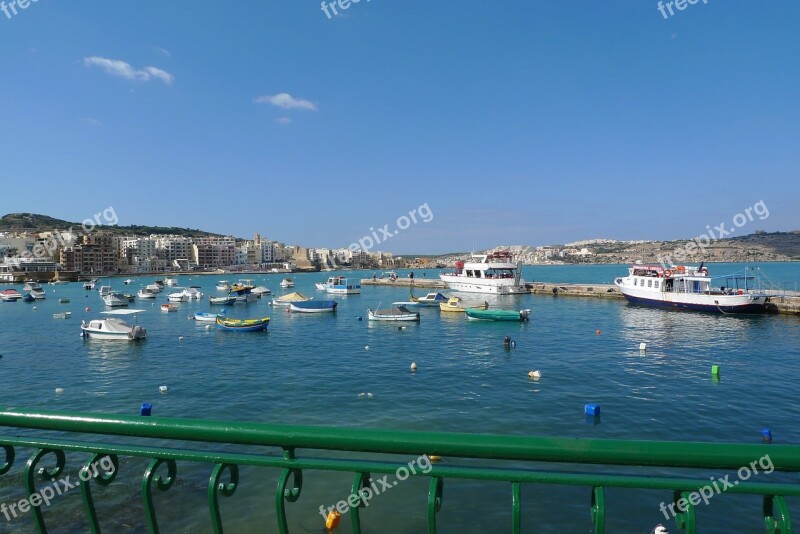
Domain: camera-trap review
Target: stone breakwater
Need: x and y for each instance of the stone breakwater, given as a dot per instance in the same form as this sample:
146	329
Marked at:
786	304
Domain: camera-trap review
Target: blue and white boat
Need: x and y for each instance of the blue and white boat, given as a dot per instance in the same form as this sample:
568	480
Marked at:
431	299
690	288
208	317
313	306
339	285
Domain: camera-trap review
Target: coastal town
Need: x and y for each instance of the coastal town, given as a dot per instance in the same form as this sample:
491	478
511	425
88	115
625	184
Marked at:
111	250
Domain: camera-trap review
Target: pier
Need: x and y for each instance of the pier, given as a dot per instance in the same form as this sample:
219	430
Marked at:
787	303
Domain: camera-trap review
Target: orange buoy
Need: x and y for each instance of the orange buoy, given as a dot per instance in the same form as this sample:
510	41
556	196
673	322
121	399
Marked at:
332	521
597	332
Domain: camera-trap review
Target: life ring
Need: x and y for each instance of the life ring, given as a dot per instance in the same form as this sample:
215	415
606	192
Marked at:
668	273
741	292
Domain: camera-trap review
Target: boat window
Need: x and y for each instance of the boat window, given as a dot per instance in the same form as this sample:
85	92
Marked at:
656	284
649	283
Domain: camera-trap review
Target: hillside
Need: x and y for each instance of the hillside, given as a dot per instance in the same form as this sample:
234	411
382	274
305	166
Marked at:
32	222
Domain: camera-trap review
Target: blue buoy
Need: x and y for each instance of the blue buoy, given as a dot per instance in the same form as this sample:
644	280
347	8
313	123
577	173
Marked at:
766	435
592	409
359	318
146	408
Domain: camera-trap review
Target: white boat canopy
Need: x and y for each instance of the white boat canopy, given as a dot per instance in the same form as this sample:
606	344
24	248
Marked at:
122	312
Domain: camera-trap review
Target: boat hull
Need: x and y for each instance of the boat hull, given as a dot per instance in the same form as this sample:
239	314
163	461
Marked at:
242	325
496	315
313	306
502	286
740	304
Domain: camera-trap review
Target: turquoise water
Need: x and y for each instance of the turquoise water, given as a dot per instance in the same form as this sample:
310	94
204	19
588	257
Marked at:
310	370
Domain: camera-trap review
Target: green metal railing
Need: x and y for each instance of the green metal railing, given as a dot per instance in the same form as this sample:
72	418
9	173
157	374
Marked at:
224	477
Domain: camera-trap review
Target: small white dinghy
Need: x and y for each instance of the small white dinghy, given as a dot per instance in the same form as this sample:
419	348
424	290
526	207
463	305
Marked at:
113	328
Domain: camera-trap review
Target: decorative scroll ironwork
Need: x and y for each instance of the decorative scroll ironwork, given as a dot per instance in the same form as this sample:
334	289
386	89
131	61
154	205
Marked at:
284	494
103	477
216	487
45	474
435	490
162	483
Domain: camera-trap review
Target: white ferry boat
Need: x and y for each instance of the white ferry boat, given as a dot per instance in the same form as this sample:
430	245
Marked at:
494	273
686	287
339	285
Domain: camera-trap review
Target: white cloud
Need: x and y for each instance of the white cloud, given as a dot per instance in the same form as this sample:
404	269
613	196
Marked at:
91	121
116	67
286	101
283	120
163	51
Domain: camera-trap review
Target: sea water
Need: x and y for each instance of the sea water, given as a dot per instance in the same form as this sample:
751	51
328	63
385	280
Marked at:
310	369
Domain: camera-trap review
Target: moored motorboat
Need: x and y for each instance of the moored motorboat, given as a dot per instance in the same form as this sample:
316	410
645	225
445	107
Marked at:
453	304
208	317
431	299
128	281
494	273
169	307
242	325
287	283
155	288
30	285
690	288
62	315
396	313
498	315
38	294
261	290
147	293
170	281
221	301
177	297
223	285
287	299
10	295
58	282
339	285
113	328
114	300
320	286
104	290
313	306
90	284
193	293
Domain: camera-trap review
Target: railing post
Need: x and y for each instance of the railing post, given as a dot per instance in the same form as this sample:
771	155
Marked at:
685	518
214	486
598	510
516	508
434	502
44	474
103	479
360	481
284	495
162	484
777	525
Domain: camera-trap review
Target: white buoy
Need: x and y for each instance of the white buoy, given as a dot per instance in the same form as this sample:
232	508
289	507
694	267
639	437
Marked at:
208	327
180	338
34	307
536	375
369	395
366	347
413	366
642	347
163	389
59	390
362	395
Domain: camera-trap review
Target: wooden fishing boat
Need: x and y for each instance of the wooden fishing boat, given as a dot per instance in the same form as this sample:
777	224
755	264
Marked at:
242	325
396	313
313	306
498	315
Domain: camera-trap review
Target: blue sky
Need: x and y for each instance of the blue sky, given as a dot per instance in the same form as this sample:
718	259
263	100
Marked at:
517	122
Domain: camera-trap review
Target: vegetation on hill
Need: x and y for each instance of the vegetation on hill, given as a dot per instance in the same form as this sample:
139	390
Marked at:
32	222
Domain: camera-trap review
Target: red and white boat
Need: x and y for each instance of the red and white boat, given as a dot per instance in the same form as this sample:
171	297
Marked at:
10	295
